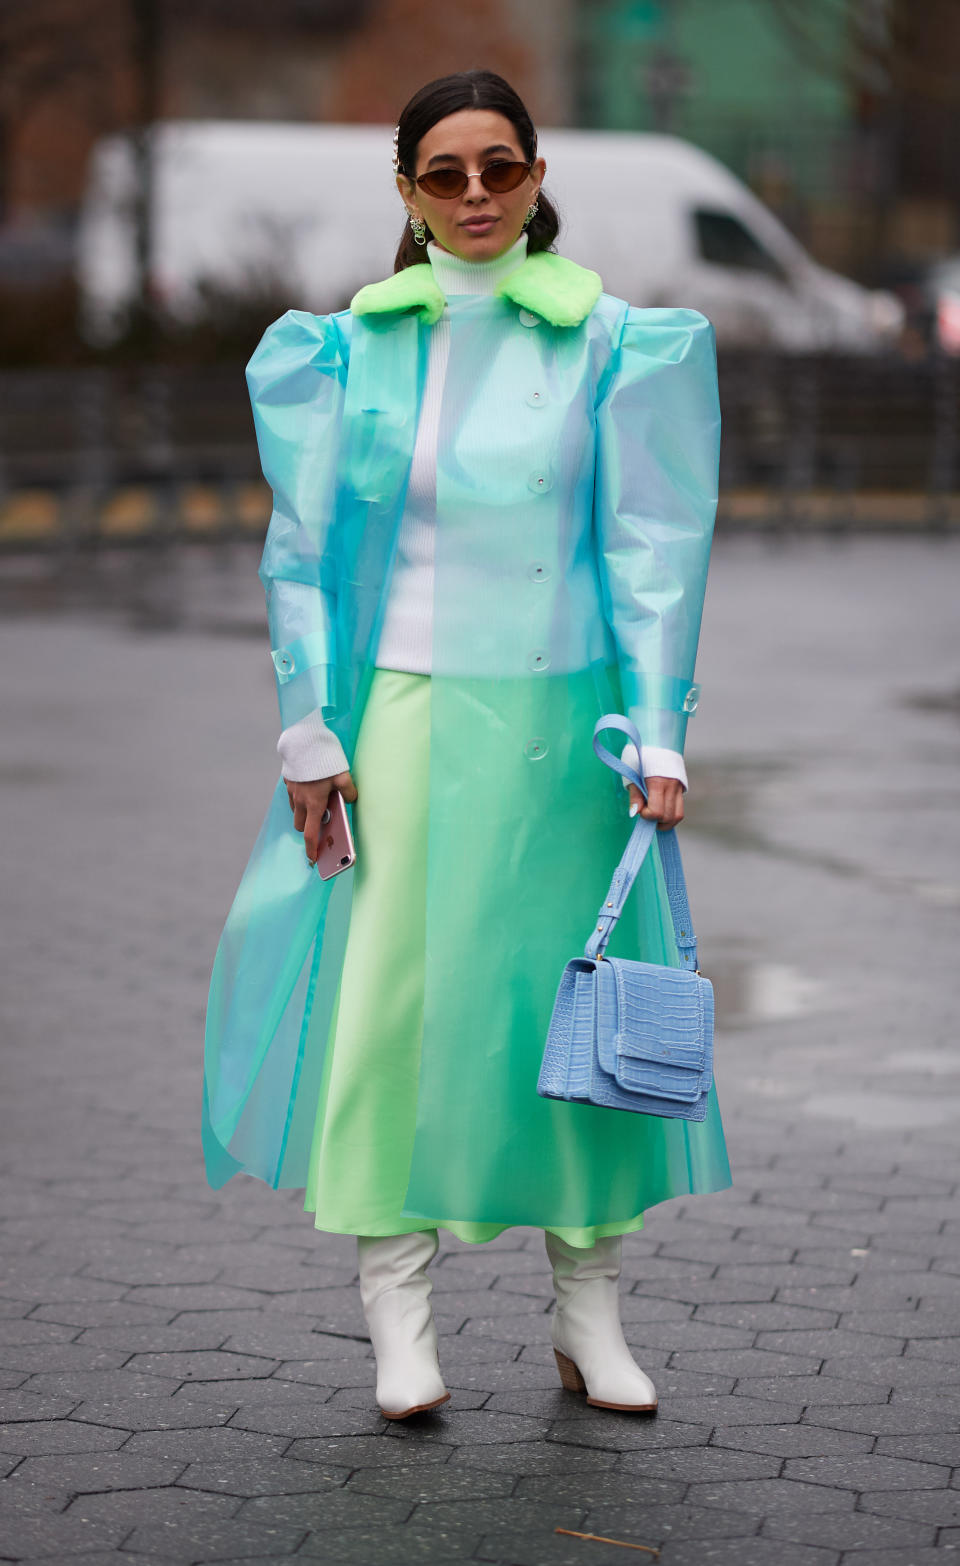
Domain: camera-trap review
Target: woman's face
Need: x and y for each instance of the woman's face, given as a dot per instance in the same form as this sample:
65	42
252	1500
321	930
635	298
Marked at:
479	224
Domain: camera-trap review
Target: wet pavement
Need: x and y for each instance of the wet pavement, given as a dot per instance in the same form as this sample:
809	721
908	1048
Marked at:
184	1375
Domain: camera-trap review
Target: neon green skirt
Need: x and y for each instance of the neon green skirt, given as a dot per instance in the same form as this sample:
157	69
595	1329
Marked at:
367	1114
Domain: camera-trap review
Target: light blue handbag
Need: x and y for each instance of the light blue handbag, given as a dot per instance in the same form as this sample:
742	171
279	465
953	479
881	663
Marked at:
633	1035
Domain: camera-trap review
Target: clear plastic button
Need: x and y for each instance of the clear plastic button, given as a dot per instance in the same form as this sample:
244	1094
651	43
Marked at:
537	571
535	749
540	482
538	659
536	399
527	318
692	699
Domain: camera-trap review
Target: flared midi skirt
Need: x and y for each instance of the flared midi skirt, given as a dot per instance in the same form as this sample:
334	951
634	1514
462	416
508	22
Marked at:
367	1113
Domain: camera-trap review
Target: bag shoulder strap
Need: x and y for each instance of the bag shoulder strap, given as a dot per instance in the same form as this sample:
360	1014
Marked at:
635	853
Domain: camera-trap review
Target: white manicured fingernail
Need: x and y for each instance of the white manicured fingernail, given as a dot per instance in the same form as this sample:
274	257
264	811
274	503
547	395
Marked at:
634	809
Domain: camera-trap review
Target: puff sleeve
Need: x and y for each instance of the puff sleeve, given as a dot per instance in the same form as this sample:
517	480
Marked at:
296	380
655	500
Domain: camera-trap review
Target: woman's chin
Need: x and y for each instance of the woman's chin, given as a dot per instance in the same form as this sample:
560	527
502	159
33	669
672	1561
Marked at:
483	246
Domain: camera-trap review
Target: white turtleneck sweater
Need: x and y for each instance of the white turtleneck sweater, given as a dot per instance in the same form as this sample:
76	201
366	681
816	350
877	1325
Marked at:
309	749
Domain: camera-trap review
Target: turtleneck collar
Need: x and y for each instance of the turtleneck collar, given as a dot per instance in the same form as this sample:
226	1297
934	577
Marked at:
453	275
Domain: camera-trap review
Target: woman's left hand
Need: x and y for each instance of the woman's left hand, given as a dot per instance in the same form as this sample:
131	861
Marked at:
664	804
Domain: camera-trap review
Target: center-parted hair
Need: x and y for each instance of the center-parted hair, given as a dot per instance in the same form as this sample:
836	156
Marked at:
448	95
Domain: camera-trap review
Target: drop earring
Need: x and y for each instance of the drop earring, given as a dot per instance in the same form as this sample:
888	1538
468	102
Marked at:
419	229
532	211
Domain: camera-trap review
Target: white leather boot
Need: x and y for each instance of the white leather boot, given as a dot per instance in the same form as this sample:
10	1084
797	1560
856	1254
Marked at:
591	1351
395	1294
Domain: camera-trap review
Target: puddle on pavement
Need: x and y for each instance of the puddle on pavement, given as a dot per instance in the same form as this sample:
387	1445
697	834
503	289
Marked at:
934	701
748	992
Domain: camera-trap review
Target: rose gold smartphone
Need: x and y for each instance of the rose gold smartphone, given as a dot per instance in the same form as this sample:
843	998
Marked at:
337	852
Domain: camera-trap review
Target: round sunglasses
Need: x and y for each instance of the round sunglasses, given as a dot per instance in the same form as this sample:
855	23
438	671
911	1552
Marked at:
498	177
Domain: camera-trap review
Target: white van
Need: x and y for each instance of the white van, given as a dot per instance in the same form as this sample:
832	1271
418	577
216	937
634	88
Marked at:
313	210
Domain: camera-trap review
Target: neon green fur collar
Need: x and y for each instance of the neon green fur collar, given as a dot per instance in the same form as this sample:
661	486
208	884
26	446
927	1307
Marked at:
550	286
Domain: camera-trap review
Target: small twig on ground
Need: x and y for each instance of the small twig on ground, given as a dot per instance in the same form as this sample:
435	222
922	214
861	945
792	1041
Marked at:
602	1539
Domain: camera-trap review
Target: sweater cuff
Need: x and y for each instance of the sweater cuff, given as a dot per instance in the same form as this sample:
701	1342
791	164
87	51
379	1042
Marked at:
310	751
657	762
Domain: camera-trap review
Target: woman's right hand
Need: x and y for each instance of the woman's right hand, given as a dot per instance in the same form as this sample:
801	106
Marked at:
308	801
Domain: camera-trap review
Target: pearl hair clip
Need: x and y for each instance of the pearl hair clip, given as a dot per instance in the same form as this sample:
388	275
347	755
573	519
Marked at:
396	150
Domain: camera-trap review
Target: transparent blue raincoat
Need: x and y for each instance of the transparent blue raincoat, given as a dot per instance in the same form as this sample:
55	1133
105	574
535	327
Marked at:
576	494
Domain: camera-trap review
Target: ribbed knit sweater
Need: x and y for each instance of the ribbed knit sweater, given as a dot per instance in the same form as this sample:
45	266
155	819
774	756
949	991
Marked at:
309	749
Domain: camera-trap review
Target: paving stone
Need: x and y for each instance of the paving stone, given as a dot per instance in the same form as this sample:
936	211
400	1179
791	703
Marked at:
893	1371
703	1291
533	1457
735	1411
367	1451
546	1549
198	1445
25	1538
153	1413
394	1546
214	1540
514	1516
627	1432
60	1357
274	1477
656	1524
438	1482
850	1531
867	1473
944	1554
44	1437
27	1500
21	1404
716	1252
19	1330
479	1425
791	1440
693	1463
903	1416
685	1336
99	1384
746	1362
757	1318
87	1473
945	1350
810	1390
48	1288
596	1488
925	1448
745	1552
290	1344
941	1508
102	1313
927	1322
770	1497
145	1341
826	1344
329	1511
206	1366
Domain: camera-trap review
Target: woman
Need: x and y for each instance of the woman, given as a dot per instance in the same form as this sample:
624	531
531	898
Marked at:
494	490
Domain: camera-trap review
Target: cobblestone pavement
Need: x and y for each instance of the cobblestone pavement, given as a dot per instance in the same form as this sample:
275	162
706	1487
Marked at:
184	1375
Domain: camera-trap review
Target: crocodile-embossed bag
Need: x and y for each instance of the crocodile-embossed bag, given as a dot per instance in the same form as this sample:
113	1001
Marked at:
633	1035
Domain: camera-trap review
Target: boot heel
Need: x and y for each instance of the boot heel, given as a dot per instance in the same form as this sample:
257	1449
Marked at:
569	1374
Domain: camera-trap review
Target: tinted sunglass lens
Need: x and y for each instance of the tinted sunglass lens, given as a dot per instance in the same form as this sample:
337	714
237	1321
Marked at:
501	177
444	182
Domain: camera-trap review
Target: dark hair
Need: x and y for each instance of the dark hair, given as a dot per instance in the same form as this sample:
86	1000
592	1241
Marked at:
447	95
